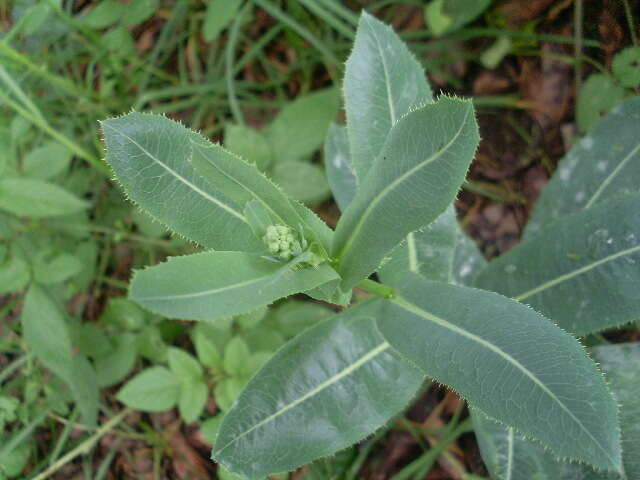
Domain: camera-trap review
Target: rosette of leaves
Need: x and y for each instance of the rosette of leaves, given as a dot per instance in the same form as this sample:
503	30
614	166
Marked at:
395	168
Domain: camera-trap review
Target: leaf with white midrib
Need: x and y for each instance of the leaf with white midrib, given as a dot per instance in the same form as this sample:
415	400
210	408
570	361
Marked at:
397	182
579	271
323	391
526	459
509	362
383	82
213	284
598	193
484	343
603	164
180	178
413	181
574	273
326	384
244	182
510	456
150	157
429	252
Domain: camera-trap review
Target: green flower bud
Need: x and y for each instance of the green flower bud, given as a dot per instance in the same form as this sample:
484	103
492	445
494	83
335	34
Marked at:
281	242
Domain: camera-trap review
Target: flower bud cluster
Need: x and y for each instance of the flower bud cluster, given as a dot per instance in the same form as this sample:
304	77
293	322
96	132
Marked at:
281	242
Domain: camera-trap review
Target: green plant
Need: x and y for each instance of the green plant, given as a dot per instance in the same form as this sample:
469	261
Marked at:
444	16
577	264
283	148
228	353
603	91
395	169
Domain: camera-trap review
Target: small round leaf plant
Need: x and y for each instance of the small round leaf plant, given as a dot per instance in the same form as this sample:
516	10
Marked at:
502	335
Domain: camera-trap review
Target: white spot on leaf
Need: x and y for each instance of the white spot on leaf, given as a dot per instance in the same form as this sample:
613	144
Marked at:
586	143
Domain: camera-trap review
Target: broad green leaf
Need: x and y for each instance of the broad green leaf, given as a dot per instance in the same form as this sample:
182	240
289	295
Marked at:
147	225
598	95
581	271
236	357
209	285
45	331
508	361
249	144
251	319
256	362
151	345
510	456
440	252
303	181
114	366
46	161
626	67
243	183
604	163
155	389
90	339
193	398
264	338
295	316
224	474
301	126
428	252
48	269
337	162
467	259
621	365
206	349
415	178
218	16
226	392
383	82
14	274
150	156
120	40
183	365
444	16
321	392
13	462
84	388
27	197
105	13
125	314
139	11
209	428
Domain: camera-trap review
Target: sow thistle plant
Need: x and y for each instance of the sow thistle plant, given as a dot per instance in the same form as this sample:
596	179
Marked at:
506	344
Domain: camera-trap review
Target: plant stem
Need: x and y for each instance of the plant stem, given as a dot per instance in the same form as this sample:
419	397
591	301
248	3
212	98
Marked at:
376	288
